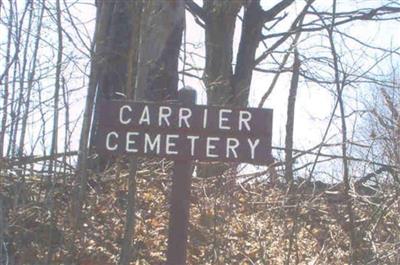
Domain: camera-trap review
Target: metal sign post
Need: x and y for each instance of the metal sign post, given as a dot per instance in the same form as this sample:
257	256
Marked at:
184	132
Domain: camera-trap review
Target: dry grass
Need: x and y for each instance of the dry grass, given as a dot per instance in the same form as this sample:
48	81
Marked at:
231	223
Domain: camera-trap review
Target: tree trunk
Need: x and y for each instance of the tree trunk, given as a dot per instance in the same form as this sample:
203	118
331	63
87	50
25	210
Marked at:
22	71
225	86
137	49
31	78
161	37
253	21
290	119
220	22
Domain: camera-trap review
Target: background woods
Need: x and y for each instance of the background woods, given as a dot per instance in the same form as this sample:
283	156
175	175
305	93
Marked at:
328	68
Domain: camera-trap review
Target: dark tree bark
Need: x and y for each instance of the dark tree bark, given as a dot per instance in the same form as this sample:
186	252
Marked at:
225	86
253	21
161	36
220	18
114	60
116	49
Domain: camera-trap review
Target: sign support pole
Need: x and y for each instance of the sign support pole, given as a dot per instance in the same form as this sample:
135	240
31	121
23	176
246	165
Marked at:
180	199
179	213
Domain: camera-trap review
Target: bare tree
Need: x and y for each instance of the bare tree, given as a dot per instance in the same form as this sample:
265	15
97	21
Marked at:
336	199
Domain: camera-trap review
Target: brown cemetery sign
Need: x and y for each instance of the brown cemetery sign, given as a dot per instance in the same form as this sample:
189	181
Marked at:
185	132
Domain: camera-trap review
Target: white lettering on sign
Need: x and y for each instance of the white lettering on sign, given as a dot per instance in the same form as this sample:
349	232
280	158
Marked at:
130	142
169	144
210	146
184	115
231	145
192	143
151	145
223	119
244	118
145	117
176	117
121	114
163	114
253	146
108	146
205	118
186	132
186	146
